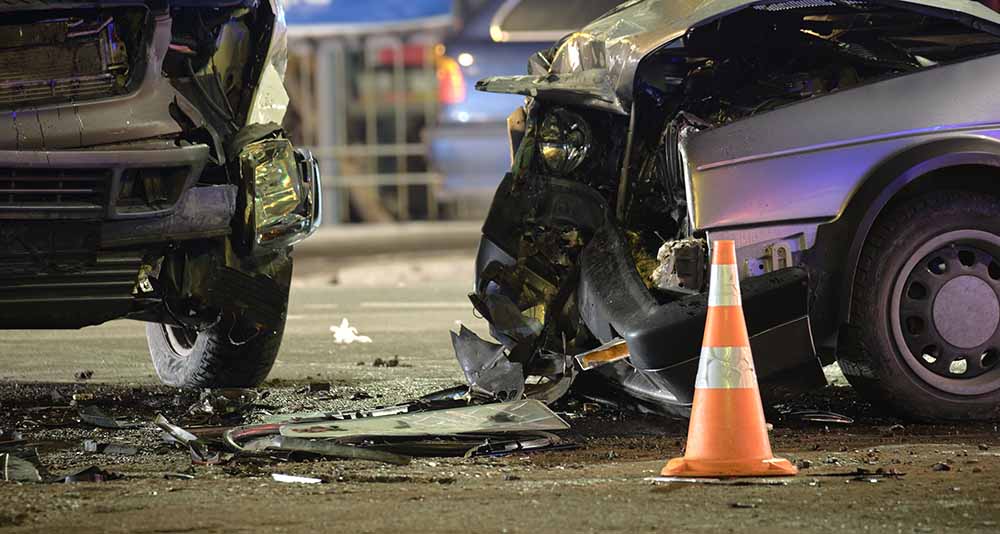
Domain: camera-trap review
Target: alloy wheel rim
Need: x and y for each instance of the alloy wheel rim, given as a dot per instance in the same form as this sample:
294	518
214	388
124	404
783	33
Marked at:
945	312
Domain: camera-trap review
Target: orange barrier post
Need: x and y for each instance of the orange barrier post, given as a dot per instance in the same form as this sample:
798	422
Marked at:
727	435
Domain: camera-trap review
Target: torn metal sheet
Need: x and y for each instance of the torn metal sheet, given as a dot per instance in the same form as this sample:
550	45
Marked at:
199	451
323	448
517	416
486	366
313	417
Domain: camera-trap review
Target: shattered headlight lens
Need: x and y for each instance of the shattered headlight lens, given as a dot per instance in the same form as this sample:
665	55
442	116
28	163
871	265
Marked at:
564	140
282	206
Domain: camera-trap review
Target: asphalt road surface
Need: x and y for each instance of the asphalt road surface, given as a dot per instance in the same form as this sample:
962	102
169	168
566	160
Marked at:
406	305
878	474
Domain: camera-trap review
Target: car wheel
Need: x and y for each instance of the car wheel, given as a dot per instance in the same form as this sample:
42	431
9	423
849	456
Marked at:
228	354
923	335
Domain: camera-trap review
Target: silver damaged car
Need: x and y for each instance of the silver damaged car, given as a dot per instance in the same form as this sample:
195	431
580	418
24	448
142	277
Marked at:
851	149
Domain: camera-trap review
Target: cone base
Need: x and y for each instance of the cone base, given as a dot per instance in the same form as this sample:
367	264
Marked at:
774	467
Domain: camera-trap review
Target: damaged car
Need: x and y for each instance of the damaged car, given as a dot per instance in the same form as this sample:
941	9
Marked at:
144	174
849	147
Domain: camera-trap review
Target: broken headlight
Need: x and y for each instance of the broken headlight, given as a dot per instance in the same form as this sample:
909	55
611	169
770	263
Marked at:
283	193
564	139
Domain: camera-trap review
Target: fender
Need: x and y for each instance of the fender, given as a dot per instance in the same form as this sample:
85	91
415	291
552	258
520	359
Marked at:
846	235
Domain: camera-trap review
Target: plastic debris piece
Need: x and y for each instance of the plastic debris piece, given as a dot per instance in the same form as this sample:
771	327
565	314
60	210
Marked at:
486	367
16	469
517	416
291	479
345	334
95	416
611	352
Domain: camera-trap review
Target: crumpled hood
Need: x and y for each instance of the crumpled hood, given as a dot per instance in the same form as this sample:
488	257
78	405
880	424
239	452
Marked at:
596	66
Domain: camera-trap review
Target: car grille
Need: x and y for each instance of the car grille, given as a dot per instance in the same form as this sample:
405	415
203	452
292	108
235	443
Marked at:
61	58
53	193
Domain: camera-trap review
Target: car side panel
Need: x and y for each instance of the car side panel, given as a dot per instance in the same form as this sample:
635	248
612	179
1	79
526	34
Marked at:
805	161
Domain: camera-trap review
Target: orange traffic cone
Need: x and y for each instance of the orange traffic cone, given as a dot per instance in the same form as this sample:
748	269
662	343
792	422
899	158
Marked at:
727	436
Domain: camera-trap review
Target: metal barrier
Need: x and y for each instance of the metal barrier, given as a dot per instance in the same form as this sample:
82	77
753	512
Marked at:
361	103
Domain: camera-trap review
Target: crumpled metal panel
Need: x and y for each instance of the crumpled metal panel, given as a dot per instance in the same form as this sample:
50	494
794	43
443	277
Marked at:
612	47
517	416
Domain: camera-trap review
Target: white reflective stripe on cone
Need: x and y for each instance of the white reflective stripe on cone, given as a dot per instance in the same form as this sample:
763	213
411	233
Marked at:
724	286
726	368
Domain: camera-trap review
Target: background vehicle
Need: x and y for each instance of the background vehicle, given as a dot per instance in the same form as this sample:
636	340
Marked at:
143	174
849	149
497	35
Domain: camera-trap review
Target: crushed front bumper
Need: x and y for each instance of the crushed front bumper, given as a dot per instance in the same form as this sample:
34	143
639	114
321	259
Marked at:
663	337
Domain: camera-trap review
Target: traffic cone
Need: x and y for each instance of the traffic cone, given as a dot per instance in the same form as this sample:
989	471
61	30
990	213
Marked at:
727	435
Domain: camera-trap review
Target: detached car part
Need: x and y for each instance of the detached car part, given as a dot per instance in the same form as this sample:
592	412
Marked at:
850	150
144	174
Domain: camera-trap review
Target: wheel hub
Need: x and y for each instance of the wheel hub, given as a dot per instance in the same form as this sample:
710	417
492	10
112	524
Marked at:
945	312
966	312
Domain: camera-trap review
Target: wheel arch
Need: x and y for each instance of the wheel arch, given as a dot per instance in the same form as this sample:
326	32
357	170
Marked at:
970	163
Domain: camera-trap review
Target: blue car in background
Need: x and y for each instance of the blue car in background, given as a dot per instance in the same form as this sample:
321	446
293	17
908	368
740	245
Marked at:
468	146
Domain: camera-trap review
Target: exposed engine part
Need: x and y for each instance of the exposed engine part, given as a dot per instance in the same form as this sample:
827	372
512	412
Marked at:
682	267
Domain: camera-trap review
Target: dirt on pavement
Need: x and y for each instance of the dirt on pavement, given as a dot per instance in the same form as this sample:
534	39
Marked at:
876	474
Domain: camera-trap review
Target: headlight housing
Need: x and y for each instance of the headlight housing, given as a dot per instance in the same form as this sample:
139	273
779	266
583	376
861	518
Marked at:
283	193
564	140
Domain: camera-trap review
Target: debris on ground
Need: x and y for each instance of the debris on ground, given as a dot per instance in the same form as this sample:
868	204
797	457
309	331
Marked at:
940	466
112	449
320	448
517	416
90	474
215	405
486	367
291	479
16	469
361	395
345	334
379	362
93	415
199	450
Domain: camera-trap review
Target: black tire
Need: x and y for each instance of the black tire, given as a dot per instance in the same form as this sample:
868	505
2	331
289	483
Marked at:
907	341
212	358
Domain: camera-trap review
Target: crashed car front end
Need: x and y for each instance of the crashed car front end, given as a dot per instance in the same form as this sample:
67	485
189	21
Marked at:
665	126
130	130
